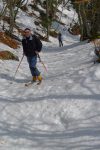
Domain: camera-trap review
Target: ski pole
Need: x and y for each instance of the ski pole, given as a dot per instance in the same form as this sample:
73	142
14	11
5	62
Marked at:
42	62
18	65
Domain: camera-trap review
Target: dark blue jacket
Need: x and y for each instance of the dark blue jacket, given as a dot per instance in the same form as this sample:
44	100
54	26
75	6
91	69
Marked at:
30	45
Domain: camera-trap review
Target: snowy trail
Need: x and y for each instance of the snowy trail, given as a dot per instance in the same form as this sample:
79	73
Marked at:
62	113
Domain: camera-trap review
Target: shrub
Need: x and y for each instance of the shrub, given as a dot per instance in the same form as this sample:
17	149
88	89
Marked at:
6	55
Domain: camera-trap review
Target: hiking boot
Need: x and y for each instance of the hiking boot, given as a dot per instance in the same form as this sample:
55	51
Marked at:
39	78
34	78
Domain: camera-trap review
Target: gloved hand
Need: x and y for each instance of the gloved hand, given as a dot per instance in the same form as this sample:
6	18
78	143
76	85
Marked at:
37	52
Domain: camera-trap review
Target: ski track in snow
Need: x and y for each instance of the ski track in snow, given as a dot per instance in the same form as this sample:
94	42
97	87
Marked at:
62	113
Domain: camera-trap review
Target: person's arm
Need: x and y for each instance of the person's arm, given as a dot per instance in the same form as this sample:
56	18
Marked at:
37	52
38	44
23	47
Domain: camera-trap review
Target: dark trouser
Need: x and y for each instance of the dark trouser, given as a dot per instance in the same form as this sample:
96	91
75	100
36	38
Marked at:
60	43
32	65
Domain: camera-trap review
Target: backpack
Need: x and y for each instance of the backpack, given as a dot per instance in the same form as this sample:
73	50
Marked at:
38	43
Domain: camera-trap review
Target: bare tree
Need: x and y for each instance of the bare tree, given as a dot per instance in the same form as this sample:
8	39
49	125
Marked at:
89	17
11	8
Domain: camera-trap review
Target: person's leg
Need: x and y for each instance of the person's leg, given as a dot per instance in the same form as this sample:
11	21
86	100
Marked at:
32	65
62	43
59	43
34	71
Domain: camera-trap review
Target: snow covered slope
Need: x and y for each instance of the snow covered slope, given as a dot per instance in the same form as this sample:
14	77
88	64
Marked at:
62	113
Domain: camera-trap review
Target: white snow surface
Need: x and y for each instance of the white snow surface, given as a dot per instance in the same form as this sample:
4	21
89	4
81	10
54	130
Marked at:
63	112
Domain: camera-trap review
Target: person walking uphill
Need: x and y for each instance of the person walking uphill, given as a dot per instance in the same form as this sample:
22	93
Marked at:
31	48
60	39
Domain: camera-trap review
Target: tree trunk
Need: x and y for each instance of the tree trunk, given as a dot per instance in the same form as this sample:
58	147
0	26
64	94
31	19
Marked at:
47	15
